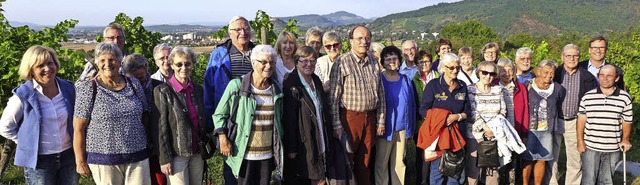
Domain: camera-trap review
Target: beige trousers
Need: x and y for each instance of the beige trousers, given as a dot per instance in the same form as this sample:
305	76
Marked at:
186	170
574	163
124	174
390	153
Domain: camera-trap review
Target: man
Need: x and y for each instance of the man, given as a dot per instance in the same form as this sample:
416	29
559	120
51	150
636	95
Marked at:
228	60
161	57
313	39
597	51
408	67
357	94
604	127
112	33
577	82
523	64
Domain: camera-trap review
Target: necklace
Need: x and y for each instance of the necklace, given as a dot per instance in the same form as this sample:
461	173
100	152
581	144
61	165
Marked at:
115	85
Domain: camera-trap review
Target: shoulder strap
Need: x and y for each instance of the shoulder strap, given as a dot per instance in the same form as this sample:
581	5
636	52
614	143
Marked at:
236	98
226	71
94	86
465	74
132	86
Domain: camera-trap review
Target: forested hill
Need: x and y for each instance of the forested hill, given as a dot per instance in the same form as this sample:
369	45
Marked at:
520	16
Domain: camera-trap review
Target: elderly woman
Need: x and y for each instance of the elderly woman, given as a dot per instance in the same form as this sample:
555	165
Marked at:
181	121
376	48
38	118
443	98
109	136
423	76
545	100
286	46
490	52
468	72
255	144
161	58
442	47
313	39
332	45
399	120
305	124
135	66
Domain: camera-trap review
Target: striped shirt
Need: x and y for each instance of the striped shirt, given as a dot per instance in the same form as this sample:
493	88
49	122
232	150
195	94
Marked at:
603	130
356	86
484	107
260	145
570	82
240	62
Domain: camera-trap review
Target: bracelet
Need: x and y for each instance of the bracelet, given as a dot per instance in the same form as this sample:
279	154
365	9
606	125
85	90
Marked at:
459	117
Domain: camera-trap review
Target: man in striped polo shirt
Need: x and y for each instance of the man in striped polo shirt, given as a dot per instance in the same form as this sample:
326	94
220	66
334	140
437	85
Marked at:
603	128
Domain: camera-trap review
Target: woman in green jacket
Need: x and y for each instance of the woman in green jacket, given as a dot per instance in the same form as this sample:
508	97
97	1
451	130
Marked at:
248	123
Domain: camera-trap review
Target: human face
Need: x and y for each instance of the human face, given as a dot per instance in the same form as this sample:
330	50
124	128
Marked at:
523	62
306	66
607	77
545	74
391	62
240	32
597	50
424	64
333	48
162	61
465	62
409	51
451	70
45	72
287	47
114	36
314	42
490	54
264	66
570	58
182	68
444	49
108	65
486	74
140	74
506	74
361	41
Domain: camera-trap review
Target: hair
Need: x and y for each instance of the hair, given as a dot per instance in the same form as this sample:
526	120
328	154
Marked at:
465	51
304	52
354	29
313	32
134	62
237	18
263	49
489	46
182	51
284	36
390	50
157	50
423	54
415	44
547	63
376	46
502	62
523	50
114	26
485	64
330	36
597	38
570	46
35	56
108	48
447	59
442	42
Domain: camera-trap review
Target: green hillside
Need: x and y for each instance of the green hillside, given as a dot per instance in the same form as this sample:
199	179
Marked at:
508	17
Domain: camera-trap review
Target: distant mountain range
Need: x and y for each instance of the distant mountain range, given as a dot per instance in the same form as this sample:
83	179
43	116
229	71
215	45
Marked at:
333	19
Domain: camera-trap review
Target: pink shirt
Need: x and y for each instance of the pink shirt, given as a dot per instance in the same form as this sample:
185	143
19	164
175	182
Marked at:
193	114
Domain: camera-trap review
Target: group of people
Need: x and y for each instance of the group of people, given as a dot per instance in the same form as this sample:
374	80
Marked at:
288	113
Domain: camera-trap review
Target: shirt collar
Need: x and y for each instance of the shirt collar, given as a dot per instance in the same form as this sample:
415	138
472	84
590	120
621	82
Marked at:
39	88
178	87
615	92
445	85
604	62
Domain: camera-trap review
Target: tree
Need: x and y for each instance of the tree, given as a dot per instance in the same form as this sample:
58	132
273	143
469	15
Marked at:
262	20
471	33
139	40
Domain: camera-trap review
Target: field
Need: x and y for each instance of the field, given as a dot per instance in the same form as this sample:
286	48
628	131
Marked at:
87	47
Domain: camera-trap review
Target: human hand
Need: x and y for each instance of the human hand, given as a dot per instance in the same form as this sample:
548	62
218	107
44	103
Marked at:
581	146
166	169
380	130
83	169
487	132
451	118
625	145
225	146
293	155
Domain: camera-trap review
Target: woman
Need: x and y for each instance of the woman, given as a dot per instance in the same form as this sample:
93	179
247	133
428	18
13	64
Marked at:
305	125
181	121
423	76
252	149
442	47
446	96
109	135
400	117
487	104
468	72
286	46
332	45
545	100
161	58
38	117
490	52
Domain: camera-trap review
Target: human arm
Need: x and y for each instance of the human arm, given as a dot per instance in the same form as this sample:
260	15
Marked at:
382	107
627	126
335	93
290	117
222	113
11	117
163	131
580	124
79	145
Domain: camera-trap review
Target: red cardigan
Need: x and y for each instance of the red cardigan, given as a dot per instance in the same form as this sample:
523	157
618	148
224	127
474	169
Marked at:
521	109
434	126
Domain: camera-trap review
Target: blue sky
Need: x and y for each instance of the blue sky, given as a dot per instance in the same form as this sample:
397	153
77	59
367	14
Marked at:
101	12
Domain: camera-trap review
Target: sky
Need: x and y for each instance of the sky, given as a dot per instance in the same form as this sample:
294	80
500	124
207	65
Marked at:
101	12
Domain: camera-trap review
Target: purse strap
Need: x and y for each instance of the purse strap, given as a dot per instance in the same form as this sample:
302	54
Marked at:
452	134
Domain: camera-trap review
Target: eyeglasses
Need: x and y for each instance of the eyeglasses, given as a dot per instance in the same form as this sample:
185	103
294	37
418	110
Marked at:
330	46
238	30
266	62
165	58
363	38
185	64
112	38
390	59
572	56
598	48
305	62
423	62
452	67
485	73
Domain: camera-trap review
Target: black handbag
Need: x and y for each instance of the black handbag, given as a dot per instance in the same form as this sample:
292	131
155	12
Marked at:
488	154
452	163
207	146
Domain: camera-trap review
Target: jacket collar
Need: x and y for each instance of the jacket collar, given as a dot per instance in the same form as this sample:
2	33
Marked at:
245	88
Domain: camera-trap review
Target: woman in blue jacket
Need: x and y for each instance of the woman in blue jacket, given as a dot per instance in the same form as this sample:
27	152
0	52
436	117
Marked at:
38	117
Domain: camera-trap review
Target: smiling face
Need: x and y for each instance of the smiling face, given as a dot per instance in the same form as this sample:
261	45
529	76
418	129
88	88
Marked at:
44	72
182	67
108	65
607	77
466	61
264	66
409	50
391	62
306	65
490	54
523	62
288	47
545	75
332	48
314	42
361	41
506	74
597	50
444	49
114	35
570	58
486	74
451	70
240	32
162	61
424	64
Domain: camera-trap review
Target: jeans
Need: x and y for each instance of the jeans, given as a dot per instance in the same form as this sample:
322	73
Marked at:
227	175
437	178
53	169
598	167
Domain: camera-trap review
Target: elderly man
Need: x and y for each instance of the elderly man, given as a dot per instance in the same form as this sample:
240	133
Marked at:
604	127
357	100
523	64
161	57
112	33
597	51
577	82
408	67
313	39
228	60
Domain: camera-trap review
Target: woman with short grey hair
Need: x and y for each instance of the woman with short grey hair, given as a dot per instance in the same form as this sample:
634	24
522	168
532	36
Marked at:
332	45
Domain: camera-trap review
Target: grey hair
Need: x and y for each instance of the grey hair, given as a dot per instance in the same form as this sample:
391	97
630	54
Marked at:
447	59
570	46
108	48
547	63
376	46
157	50
263	49
330	36
237	18
415	44
313	31
182	51
114	26
523	50
133	62
502	62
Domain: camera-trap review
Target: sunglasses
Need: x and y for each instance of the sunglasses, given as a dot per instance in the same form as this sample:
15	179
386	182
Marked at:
492	74
452	67
329	46
186	64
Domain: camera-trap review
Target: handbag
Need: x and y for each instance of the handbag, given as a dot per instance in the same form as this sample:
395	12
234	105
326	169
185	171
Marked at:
207	146
488	154
452	163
